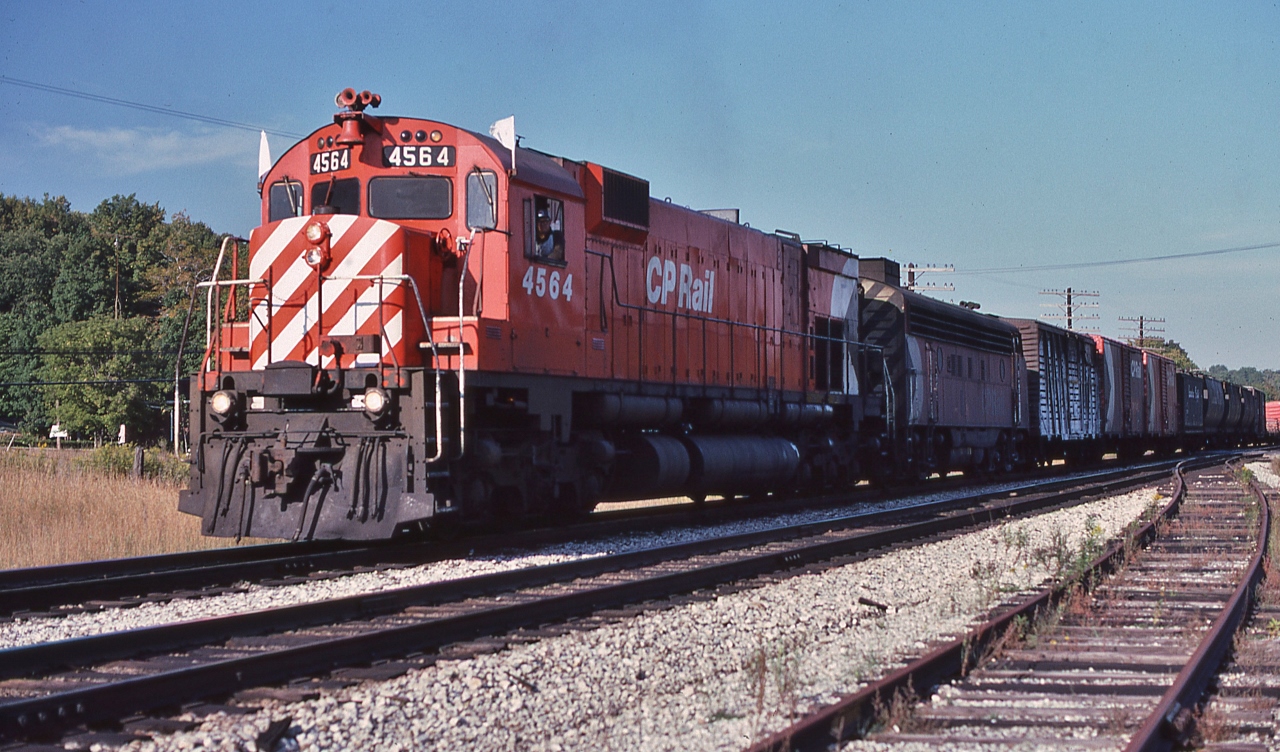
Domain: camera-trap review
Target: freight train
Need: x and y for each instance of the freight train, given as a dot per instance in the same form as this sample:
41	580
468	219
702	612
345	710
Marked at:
432	327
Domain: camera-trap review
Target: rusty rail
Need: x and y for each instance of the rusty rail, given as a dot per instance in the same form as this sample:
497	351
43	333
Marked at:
1174	717
853	714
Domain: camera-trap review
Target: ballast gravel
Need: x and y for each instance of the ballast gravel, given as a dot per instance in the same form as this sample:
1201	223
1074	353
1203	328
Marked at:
709	675
254	597
1263	472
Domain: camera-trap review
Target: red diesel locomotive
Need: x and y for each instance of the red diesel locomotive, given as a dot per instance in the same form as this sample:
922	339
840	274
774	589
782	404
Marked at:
439	325
432	325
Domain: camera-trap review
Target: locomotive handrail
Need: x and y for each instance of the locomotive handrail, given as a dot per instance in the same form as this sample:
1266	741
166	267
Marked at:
231	282
462	360
435	353
212	285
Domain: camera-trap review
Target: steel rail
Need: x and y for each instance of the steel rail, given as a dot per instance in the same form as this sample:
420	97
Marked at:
45	715
23	661
43	588
50	587
1173	719
850	716
51	575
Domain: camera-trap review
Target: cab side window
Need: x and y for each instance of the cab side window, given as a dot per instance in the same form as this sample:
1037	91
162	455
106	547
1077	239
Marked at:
338	196
285	200
544	229
482	200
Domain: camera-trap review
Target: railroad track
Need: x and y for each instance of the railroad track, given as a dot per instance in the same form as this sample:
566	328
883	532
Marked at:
52	687
124	583
1123	665
1241	712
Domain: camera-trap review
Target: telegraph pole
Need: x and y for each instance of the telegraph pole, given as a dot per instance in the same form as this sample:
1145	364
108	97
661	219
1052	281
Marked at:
914	286
1142	328
1070	306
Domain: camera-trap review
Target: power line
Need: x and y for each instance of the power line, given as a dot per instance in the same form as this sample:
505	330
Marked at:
1117	262
144	107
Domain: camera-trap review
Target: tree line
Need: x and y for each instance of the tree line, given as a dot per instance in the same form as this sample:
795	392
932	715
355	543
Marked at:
92	310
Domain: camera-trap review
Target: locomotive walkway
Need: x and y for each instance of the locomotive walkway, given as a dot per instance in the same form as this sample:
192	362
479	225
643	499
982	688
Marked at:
50	688
1124	665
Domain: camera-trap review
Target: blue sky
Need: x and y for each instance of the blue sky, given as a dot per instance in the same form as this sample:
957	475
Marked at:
987	135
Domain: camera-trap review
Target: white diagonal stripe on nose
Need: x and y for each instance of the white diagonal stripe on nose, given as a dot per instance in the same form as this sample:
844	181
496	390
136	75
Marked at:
299	270
368	302
395	330
354	262
266	253
290	335
288	283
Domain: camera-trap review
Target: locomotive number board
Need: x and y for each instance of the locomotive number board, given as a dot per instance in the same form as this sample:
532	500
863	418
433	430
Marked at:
330	161
405	155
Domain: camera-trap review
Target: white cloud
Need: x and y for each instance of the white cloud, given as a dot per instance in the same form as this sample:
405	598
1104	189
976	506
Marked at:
135	150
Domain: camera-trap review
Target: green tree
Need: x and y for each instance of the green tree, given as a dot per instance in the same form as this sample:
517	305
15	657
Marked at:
63	276
186	252
84	285
28	267
127	229
49	218
115	354
1171	350
1265	379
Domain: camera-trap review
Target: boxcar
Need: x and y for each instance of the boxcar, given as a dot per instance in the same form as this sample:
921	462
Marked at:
1161	387
1123	397
1063	390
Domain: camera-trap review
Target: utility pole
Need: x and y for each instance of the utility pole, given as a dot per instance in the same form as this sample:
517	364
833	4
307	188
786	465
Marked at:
1141	329
1070	306
117	247
914	286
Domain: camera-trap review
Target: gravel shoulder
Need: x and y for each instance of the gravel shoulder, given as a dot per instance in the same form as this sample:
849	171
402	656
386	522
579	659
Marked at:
710	675
1263	472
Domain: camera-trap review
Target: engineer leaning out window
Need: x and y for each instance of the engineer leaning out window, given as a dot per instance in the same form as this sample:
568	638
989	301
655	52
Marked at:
544	225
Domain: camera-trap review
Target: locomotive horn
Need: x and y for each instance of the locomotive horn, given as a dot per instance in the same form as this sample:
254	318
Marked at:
346	97
350	117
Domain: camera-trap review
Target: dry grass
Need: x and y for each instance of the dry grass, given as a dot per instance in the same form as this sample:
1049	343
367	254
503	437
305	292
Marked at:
54	509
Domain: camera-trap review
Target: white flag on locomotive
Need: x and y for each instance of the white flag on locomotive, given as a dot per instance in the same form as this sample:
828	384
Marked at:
505	131
264	157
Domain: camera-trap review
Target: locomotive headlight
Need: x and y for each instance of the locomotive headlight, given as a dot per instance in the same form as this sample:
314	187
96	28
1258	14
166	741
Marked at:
316	232
223	403
315	256
376	401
